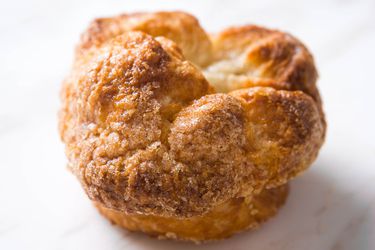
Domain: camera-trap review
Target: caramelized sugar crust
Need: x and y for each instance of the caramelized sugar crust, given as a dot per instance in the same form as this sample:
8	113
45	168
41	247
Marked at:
162	120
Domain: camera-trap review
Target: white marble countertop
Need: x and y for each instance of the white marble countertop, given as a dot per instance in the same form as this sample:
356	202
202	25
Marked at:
42	206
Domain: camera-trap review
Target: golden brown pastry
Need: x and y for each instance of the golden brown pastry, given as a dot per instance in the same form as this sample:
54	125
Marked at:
232	216
169	129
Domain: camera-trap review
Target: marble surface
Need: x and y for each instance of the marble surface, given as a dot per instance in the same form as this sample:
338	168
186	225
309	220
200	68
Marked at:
42	206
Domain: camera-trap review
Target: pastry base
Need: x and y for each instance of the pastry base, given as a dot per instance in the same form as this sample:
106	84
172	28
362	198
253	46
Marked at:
233	216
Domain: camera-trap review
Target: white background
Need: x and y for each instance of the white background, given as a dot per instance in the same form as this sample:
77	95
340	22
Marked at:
42	206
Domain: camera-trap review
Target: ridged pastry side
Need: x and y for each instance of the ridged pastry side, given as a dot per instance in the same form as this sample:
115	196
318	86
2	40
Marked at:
235	215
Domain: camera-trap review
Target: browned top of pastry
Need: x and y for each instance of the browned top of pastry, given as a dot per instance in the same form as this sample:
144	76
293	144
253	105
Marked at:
179	27
145	132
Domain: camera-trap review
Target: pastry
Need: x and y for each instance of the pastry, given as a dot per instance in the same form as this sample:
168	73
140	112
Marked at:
169	129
